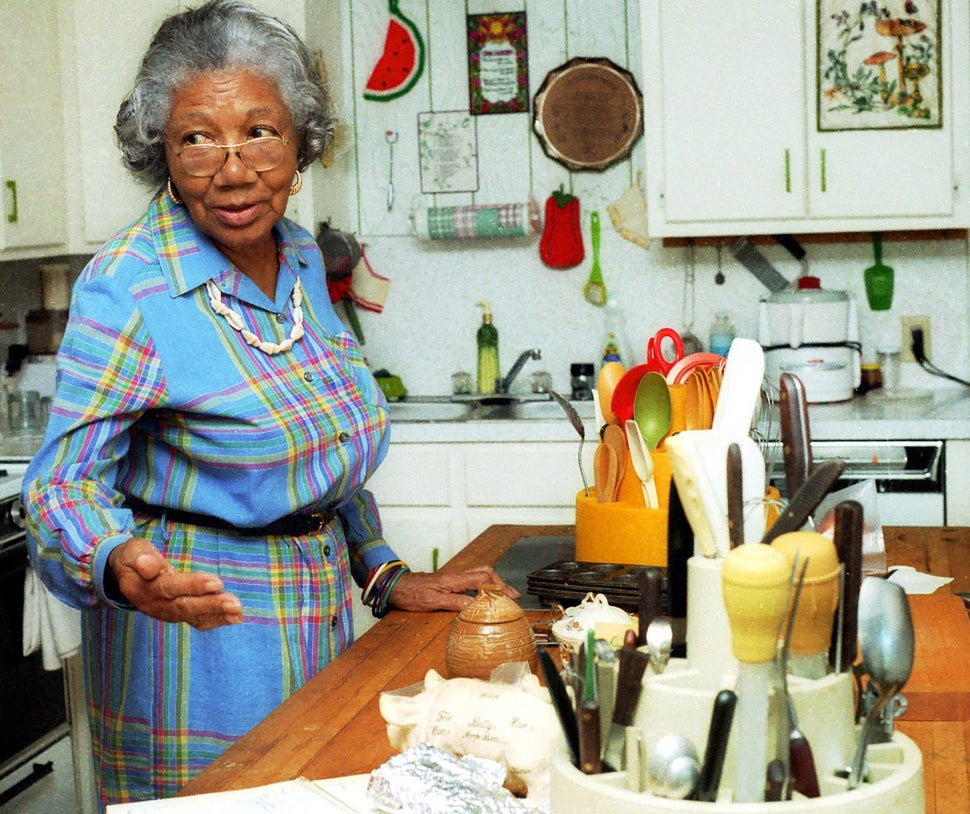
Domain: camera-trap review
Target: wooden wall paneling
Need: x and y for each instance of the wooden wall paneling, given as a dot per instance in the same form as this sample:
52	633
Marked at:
374	119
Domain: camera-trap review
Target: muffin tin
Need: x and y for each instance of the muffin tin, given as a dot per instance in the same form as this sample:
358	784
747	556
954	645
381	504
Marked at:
567	582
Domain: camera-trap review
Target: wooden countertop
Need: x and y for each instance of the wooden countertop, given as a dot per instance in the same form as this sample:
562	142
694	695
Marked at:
333	727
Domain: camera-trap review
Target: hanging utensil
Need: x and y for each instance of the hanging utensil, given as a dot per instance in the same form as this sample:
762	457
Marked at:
595	289
577	423
391	138
879	279
690	341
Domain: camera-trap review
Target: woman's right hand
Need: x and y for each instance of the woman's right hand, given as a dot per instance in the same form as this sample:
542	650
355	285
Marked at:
149	582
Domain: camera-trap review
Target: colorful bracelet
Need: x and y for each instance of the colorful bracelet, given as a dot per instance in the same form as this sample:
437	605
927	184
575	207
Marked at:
372	579
380	606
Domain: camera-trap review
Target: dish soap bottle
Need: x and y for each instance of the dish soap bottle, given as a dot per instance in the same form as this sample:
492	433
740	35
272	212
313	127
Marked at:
487	337
722	334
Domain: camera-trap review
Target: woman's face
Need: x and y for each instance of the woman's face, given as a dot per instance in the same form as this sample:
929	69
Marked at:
237	207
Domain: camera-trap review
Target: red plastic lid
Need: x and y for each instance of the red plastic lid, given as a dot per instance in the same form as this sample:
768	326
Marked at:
808	282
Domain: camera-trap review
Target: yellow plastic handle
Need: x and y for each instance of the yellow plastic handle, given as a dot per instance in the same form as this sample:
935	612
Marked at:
812	631
754	580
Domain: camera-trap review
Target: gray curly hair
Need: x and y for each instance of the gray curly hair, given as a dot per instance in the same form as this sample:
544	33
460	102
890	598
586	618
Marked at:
218	35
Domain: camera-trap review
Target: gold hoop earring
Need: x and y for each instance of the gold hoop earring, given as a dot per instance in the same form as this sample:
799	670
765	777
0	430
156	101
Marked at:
171	193
297	184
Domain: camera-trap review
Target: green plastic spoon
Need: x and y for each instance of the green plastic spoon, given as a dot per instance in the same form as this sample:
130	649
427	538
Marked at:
651	408
879	279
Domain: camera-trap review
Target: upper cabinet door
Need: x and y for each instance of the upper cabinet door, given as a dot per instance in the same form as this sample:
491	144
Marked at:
745	133
31	131
724	103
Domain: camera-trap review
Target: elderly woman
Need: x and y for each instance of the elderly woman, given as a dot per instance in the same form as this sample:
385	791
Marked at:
200	487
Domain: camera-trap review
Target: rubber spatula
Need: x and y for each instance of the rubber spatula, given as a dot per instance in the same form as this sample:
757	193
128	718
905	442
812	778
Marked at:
879	279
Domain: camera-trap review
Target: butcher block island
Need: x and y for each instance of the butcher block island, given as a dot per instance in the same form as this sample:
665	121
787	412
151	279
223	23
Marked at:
332	727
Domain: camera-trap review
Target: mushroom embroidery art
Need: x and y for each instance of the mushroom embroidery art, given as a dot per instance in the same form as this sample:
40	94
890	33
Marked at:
879	65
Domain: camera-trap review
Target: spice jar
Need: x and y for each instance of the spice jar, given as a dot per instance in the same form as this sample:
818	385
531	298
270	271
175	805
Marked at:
870	378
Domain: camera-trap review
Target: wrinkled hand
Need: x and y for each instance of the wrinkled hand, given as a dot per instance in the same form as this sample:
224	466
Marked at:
150	583
438	591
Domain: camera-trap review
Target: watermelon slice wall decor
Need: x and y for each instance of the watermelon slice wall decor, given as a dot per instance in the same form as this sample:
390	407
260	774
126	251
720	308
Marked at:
402	62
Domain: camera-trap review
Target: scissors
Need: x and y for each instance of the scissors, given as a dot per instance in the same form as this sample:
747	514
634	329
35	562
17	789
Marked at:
656	358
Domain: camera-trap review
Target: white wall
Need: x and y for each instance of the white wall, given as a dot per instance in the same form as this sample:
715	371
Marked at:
427	329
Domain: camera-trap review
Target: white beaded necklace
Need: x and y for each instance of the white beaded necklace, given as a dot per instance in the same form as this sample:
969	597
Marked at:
236	321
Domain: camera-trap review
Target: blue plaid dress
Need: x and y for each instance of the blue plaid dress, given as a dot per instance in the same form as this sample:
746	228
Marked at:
159	398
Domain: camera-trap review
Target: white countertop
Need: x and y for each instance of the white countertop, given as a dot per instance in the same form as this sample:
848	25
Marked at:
944	415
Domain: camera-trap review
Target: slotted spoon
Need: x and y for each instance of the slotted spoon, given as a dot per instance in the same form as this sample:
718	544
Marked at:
595	289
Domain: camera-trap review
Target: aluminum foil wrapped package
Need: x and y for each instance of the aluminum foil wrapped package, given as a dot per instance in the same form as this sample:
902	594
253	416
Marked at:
427	780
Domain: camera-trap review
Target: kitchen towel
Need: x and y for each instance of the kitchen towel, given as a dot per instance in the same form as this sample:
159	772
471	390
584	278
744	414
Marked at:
49	625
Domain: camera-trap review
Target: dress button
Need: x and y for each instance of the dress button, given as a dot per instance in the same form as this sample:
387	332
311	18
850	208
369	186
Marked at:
344	437
308	377
327	551
281	318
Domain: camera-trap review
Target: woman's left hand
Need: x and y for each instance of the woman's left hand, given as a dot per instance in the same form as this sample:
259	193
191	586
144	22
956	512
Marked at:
438	591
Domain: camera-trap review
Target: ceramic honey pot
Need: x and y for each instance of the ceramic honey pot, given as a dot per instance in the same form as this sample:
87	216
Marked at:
490	631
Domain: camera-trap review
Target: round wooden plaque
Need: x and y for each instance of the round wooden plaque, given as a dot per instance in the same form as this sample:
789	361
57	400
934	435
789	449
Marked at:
588	113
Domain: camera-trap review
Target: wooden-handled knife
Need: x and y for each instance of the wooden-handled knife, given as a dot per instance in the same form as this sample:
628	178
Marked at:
806	499
796	442
847	535
735	496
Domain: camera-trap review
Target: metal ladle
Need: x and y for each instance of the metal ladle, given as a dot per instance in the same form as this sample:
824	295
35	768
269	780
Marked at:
887	646
577	423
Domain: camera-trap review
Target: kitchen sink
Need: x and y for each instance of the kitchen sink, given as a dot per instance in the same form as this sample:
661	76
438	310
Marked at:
493	407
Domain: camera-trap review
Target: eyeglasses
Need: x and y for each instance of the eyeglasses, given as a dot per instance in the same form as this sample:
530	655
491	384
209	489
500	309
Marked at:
258	154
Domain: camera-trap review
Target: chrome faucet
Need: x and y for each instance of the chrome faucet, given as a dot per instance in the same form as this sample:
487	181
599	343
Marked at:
503	385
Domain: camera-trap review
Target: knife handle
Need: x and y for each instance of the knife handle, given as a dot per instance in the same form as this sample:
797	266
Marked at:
649	601
847	535
774	781
680	548
795	441
590	740
718	733
804	778
561	703
735	496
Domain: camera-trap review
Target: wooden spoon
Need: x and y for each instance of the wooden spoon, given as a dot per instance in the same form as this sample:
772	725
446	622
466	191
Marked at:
614	435
604	472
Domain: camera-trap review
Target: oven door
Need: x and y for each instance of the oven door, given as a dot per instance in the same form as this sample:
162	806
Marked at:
32	703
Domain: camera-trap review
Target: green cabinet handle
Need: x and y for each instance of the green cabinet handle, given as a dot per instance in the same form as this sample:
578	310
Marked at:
821	159
12	186
787	170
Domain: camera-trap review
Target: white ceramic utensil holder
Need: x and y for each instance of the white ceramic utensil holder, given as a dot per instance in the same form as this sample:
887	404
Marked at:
681	699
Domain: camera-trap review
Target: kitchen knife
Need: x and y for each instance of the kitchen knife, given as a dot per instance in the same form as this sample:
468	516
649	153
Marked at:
649	601
633	664
755	262
588	716
735	496
803	502
847	530
795	438
718	734
680	548
561	703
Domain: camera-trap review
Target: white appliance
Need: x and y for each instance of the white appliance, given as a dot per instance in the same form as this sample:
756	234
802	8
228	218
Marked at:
813	334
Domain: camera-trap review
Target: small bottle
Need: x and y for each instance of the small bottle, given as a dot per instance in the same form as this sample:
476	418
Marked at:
615	347
487	339
581	374
722	334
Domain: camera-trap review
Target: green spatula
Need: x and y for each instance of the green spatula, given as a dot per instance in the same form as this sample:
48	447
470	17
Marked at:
879	279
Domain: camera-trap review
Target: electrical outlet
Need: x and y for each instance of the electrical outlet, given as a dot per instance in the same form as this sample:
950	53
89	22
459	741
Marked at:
908	323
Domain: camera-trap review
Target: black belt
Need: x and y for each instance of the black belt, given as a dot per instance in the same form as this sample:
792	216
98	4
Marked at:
294	525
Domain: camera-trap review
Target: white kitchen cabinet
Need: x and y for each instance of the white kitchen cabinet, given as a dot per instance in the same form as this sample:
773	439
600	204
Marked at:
733	145
31	130
439	496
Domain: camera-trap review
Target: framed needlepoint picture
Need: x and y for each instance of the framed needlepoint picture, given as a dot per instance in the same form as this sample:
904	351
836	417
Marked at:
879	65
498	64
